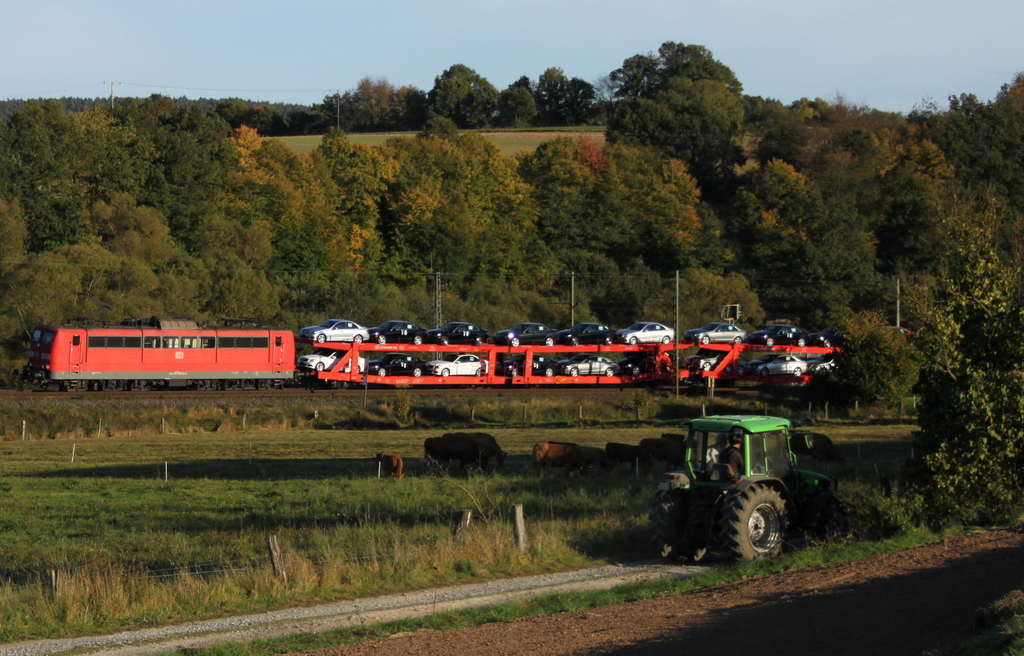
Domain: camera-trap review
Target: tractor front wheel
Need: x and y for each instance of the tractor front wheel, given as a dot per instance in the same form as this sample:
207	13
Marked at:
753	523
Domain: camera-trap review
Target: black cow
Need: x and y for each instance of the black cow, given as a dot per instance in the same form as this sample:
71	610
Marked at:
816	445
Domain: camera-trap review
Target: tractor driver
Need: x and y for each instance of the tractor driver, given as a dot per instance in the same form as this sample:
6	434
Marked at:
733	456
719	446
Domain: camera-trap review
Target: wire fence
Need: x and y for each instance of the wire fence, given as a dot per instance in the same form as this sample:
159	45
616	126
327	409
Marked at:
49	581
36	580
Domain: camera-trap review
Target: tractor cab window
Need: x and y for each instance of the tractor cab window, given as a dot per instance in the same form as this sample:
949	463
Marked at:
756	456
705	449
699	451
776	444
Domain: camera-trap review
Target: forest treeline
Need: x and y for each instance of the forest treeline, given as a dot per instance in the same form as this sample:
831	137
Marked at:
803	211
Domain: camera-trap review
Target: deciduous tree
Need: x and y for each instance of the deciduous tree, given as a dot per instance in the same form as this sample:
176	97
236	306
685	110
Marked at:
464	96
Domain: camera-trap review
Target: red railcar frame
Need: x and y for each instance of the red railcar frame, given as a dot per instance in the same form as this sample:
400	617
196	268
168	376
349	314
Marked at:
660	368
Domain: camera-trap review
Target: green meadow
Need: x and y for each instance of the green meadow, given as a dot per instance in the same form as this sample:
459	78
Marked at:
156	515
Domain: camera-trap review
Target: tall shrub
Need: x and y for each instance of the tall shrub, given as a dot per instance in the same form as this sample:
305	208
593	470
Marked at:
972	417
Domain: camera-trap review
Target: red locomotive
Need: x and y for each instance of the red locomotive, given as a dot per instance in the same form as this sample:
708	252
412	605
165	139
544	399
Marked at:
157	353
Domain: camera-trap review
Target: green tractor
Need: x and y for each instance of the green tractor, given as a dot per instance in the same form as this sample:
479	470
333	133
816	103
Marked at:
741	511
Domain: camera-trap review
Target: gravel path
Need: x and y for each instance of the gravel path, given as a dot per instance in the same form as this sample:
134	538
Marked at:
335	615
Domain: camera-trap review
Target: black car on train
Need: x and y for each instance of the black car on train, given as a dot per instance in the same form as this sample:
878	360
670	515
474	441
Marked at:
527	333
397	364
397	332
458	332
587	333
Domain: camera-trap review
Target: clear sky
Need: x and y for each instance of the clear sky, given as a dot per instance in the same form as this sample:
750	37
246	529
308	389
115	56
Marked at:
887	54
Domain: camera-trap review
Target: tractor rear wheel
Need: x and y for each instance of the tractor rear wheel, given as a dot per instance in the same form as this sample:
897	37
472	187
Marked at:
667	525
753	523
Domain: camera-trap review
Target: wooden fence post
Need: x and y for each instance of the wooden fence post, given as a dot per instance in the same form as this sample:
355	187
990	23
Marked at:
520	525
52	584
276	560
464	521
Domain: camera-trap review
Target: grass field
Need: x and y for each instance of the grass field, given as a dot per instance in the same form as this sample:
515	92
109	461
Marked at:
510	142
134	548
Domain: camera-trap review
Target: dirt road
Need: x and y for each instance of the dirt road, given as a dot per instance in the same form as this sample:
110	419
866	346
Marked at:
912	602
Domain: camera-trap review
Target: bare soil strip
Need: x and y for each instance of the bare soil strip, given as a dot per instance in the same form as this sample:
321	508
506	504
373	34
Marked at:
911	602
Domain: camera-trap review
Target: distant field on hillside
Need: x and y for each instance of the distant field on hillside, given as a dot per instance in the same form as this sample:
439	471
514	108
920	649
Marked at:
510	141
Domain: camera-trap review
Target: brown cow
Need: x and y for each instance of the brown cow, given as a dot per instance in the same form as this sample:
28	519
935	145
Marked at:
821	447
389	463
557	454
467	448
488	447
618	452
664	449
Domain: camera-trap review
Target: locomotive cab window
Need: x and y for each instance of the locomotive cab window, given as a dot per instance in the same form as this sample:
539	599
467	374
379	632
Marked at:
151	341
76	340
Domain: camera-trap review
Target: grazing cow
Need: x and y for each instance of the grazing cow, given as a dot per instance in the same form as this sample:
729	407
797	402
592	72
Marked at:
389	463
488	447
618	452
663	449
821	447
592	457
557	454
467	448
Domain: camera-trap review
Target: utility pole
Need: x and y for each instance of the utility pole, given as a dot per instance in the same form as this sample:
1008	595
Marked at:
572	299
112	92
675	368
897	301
436	302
